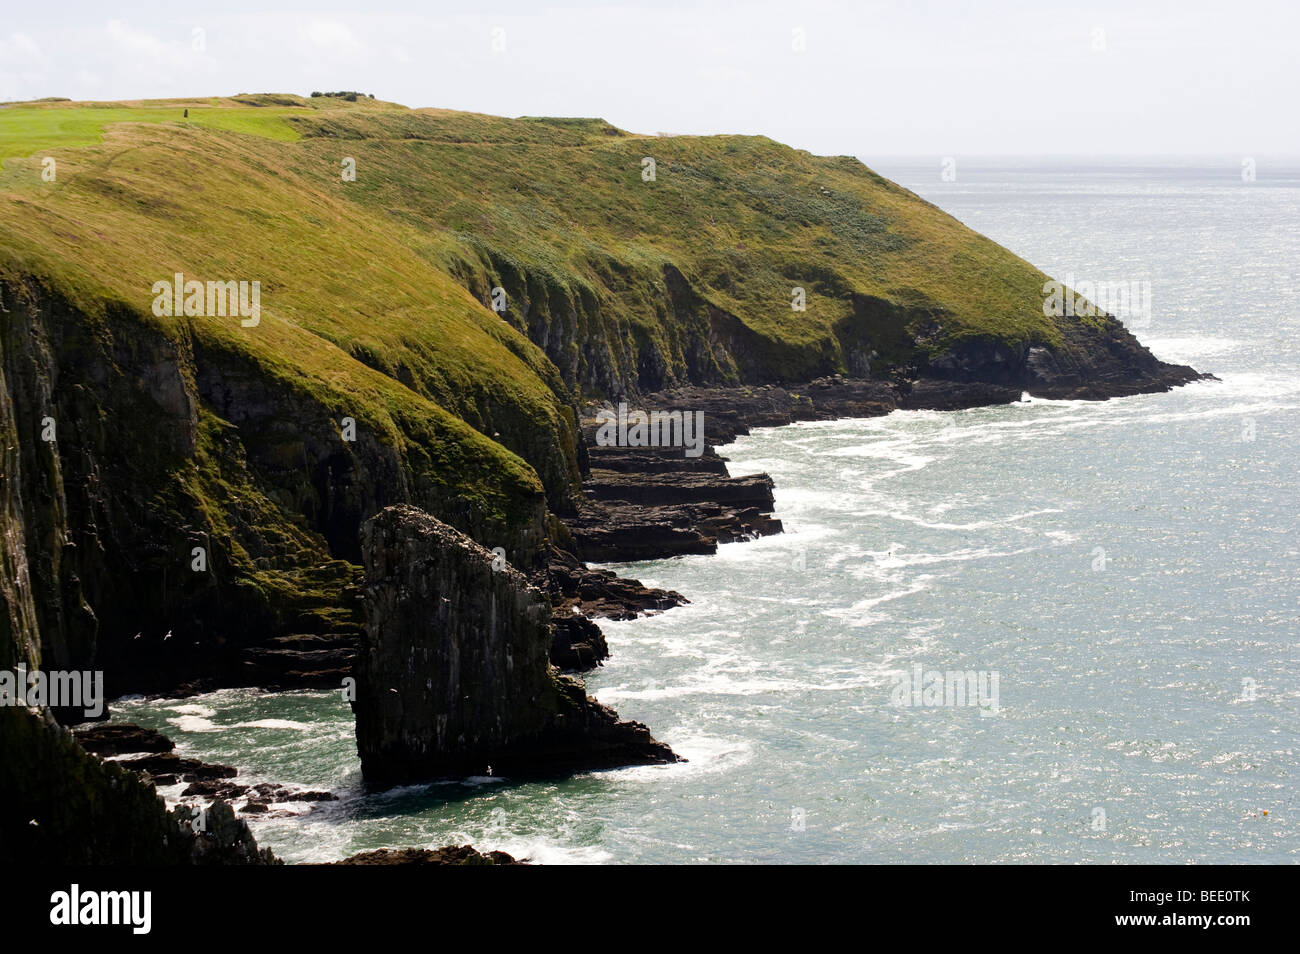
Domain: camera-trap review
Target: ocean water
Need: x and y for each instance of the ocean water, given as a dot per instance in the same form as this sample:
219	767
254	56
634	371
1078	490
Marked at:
1128	571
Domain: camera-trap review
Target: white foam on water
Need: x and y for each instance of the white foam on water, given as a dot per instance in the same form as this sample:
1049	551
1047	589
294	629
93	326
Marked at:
859	614
273	724
540	851
898	559
1244	384
904	517
705	755
194	710
195	723
701	684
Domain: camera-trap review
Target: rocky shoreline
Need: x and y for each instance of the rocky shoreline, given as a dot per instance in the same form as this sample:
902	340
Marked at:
646	503
450	855
144	752
151	756
635	504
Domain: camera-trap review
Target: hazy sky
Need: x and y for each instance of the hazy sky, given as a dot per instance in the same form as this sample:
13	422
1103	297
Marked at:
942	78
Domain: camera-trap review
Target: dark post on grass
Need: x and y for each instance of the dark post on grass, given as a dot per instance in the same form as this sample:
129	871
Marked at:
187	113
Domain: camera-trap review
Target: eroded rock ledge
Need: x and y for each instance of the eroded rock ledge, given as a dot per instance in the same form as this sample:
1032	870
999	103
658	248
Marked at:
453	677
644	503
647	503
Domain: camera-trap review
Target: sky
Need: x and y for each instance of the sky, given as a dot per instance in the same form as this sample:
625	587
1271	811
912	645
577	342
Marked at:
1001	77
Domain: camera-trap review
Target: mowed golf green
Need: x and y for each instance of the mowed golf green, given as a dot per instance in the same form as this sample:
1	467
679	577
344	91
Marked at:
30	128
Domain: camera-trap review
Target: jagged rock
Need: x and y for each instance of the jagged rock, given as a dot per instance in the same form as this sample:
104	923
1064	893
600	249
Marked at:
122	739
576	642
594	592
61	805
220	838
653	502
450	855
215	788
188	770
163	767
453	677
657	513
577	593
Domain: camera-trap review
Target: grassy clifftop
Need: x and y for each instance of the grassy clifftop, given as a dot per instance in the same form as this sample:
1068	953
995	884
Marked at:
616	263
626	279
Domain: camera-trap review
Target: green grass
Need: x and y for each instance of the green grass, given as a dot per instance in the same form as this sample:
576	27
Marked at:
354	321
556	209
49	128
374	291
744	218
375	300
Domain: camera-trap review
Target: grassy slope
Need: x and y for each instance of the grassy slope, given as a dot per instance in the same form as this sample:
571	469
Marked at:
59	126
215	204
363	283
744	218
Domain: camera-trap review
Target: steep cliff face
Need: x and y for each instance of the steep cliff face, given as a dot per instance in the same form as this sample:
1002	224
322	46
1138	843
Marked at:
60	805
643	263
454	676
190	484
181	504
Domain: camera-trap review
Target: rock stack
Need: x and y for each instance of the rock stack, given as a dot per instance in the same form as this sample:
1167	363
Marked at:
454	679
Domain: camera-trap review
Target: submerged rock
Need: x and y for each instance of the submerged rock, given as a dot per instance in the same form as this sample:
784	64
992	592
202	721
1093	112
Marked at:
454	678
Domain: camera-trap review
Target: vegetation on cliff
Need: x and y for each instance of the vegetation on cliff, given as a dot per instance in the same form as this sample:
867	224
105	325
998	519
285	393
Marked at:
378	370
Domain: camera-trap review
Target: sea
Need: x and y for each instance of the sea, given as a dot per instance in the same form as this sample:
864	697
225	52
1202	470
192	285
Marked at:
1049	632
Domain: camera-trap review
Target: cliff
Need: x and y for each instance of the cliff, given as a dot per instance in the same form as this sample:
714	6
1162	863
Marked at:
439	294
60	805
454	676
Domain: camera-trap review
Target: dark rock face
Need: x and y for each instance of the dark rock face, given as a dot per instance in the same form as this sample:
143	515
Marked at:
454	678
223	838
169	765
1094	361
60	805
576	642
572	585
578	593
645	503
122	739
237	462
450	855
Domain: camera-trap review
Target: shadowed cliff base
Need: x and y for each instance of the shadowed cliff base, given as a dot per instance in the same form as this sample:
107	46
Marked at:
454	678
64	806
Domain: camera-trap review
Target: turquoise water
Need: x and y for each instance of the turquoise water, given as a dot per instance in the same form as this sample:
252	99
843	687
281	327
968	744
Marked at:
1129	570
